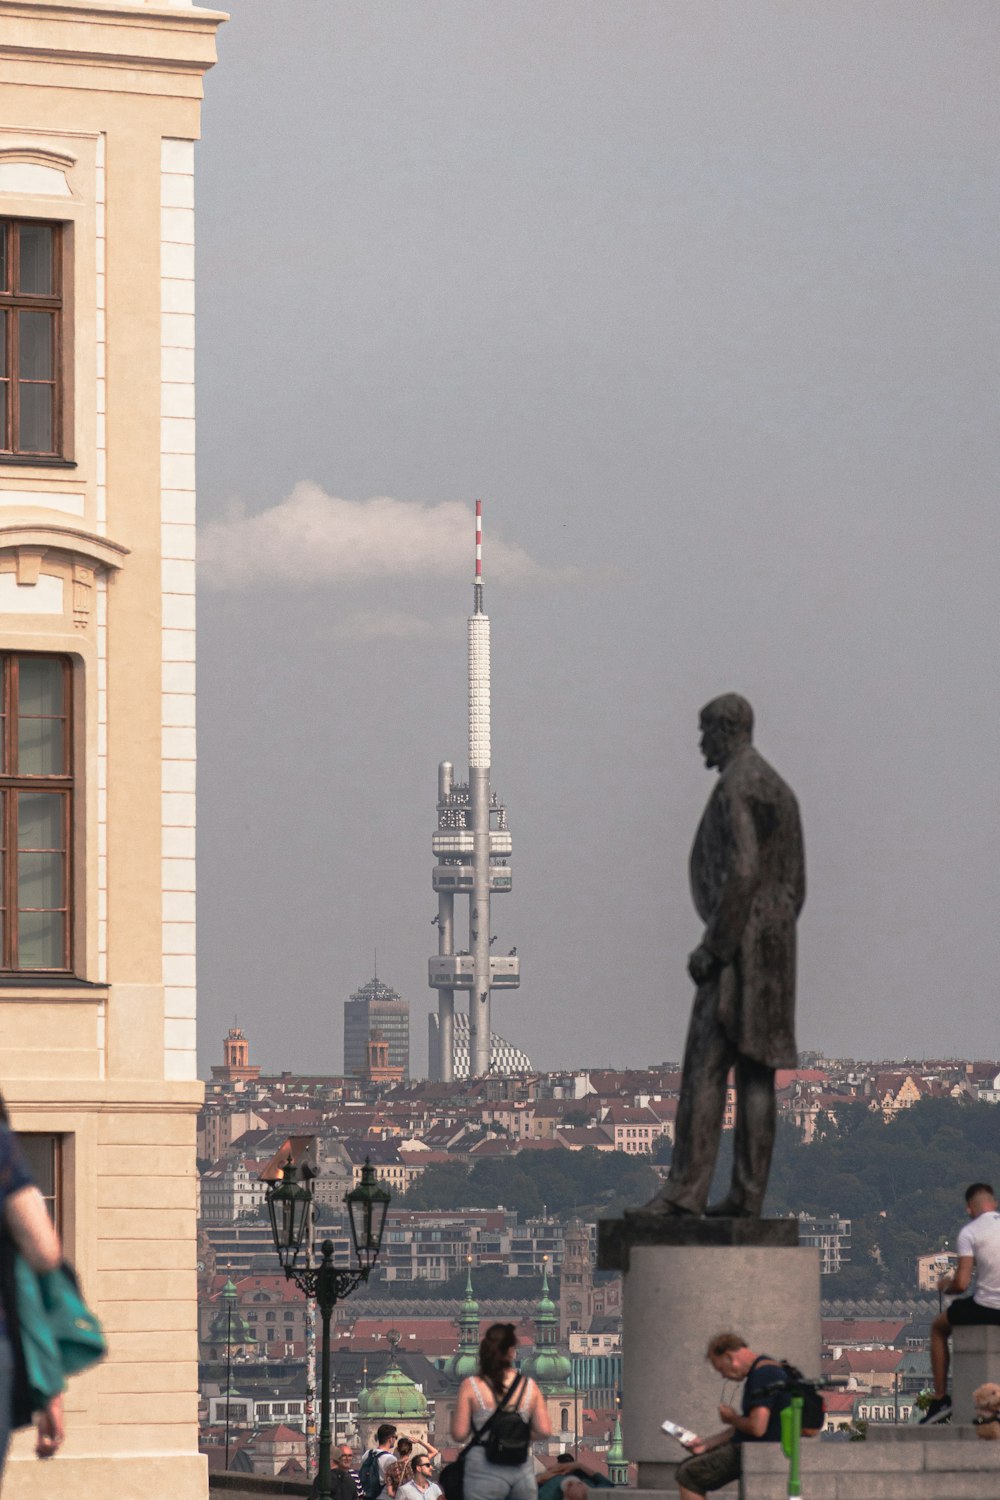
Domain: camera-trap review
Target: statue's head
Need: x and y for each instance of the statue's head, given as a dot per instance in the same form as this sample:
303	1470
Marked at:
726	724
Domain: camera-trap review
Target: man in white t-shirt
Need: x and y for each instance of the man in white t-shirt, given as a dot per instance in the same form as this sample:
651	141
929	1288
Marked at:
422	1485
385	1458
978	1250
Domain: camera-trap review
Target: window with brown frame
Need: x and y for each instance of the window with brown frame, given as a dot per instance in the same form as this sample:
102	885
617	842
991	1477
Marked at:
30	338
44	1155
36	813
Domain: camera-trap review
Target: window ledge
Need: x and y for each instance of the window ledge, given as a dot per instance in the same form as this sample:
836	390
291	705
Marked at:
34	461
48	982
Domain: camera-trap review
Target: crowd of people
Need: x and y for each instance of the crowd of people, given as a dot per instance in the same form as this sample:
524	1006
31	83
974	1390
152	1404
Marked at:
499	1414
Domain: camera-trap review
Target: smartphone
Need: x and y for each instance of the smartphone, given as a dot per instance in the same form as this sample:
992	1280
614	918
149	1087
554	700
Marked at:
682	1434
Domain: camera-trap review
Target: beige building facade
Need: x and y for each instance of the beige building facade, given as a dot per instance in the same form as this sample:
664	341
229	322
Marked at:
99	112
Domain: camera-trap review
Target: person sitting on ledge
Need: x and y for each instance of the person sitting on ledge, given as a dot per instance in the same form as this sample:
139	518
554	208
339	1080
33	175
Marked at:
564	1465
718	1461
978	1249
552	1481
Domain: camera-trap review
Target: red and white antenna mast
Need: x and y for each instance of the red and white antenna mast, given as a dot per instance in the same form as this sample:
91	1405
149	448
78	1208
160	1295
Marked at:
478	581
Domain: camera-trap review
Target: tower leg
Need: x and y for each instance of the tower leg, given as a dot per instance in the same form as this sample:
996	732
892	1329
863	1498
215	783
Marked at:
479	923
446	998
446	1036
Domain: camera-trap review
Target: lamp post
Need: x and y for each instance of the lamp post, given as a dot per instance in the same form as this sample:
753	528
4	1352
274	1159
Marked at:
290	1207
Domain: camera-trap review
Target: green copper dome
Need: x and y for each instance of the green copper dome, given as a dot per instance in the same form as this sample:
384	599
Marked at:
547	1364
229	1325
393	1397
552	1370
466	1359
469	1311
545	1309
616	1460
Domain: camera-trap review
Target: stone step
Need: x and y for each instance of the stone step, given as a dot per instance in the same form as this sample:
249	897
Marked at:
935	1466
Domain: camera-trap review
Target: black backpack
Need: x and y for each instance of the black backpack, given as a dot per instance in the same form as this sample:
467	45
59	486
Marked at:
507	1440
794	1382
370	1474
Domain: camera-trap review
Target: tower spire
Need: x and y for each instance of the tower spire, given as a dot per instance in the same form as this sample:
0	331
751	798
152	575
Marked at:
477	587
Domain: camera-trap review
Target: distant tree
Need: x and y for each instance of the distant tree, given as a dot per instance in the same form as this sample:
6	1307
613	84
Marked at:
900	1183
445	1186
663	1151
498	1179
577	1117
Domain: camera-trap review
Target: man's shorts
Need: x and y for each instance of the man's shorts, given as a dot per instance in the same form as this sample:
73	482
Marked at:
966	1312
710	1471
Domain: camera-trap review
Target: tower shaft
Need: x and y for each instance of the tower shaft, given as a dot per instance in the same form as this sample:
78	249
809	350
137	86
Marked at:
479	922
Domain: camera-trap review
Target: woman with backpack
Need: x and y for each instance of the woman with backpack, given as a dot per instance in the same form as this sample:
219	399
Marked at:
503	1412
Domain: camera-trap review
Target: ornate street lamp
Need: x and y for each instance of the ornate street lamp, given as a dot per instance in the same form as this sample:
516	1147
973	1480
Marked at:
290	1207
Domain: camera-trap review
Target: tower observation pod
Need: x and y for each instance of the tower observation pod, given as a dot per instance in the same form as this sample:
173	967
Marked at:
472	846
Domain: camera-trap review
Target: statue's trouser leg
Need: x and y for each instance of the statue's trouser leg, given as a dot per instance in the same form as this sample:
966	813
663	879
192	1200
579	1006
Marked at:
753	1140
708	1056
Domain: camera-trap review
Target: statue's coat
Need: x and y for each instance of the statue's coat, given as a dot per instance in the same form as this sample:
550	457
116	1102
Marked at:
748	882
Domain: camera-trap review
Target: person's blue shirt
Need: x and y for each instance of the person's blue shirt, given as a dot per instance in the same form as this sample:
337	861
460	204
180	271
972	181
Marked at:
758	1390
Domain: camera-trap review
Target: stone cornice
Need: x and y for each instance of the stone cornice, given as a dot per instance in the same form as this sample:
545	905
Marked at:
162	40
106	1096
56	538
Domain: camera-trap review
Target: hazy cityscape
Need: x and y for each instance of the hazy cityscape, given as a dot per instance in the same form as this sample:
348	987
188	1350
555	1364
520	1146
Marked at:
595	404
498	1181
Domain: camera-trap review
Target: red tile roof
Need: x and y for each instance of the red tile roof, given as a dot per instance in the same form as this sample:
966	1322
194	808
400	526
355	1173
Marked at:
863	1361
860	1331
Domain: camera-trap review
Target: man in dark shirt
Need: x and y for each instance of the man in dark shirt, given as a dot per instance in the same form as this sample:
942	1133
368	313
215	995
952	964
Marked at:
717	1460
345	1462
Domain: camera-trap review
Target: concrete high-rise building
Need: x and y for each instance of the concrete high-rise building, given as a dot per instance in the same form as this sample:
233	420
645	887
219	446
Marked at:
376	1013
472	845
99	115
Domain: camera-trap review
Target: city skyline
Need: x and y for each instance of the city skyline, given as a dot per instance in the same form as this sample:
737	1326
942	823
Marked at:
698	301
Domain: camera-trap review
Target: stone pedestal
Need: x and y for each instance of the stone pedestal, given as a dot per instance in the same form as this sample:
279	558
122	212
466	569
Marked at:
895	1463
685	1280
975	1359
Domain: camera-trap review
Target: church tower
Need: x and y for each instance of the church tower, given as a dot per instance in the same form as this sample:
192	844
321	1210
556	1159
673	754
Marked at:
576	1281
466	1360
236	1066
616	1460
229	1333
549	1366
236	1051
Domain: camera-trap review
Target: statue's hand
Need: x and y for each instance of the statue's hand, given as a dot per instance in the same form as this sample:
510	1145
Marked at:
703	965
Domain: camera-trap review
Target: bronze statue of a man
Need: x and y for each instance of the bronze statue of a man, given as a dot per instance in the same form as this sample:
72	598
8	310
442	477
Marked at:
748	884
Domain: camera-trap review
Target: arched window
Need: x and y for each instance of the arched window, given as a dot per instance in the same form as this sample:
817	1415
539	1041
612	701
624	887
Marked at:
564	1418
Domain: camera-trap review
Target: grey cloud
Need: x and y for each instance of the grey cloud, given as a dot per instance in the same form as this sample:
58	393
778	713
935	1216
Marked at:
312	538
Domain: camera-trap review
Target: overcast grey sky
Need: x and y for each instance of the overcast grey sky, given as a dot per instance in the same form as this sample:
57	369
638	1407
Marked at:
701	299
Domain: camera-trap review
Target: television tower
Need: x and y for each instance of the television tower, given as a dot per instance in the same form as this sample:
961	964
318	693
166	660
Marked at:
472	846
